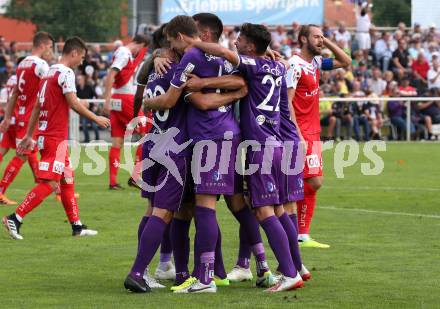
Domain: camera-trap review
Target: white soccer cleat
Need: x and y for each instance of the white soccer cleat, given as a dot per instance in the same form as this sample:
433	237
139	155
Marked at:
198	287
286	284
152	282
305	273
239	274
82	231
168	274
12	226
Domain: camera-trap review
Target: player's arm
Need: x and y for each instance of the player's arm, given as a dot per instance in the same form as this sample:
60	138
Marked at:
109	80
342	60
207	101
214	49
10	106
164	101
141	81
81	107
227	82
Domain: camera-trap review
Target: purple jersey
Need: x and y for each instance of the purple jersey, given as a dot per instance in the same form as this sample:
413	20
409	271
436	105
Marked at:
173	117
288	130
211	124
260	109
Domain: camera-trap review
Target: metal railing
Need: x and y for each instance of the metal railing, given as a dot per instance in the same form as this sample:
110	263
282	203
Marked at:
74	117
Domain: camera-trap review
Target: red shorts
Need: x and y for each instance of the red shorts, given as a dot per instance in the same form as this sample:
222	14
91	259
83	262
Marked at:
7	139
13	137
54	161
121	114
313	165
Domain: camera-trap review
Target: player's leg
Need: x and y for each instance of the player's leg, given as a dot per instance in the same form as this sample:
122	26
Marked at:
148	245
11	171
33	161
250	232
114	162
7	142
312	182
181	244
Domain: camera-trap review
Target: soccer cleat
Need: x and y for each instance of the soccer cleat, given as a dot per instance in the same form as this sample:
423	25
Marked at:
136	285
221	282
168	274
116	187
184	285
132	183
286	284
82	231
305	273
152	282
5	201
198	287
267	280
311	243
239	274
12	225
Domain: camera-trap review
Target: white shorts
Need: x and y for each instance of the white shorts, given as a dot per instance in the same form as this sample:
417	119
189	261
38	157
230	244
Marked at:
364	40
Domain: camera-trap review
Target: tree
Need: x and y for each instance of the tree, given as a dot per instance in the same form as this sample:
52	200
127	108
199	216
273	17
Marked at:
391	12
92	20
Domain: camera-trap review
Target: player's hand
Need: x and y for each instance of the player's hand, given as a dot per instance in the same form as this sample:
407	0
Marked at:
4	125
161	65
303	145
194	83
102	122
273	54
26	144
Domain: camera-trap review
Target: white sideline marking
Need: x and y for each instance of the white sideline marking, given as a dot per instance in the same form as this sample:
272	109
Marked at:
382	212
374	188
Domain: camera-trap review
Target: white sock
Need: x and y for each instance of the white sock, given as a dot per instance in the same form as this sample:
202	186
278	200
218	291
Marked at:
20	219
303	237
77	222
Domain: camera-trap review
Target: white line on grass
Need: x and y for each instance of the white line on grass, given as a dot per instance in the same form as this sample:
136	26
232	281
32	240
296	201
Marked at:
377	188
382	212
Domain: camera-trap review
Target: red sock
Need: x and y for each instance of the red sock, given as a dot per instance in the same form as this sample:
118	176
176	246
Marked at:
306	208
33	163
11	170
34	198
69	202
137	164
114	160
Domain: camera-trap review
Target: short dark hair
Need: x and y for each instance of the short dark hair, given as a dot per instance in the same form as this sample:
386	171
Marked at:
41	38
141	39
305	31
210	21
259	35
159	37
74	43
183	24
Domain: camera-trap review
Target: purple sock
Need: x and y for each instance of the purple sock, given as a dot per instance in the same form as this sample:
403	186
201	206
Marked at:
219	267
207	234
179	235
141	227
260	258
165	246
149	243
280	245
195	272
292	235
244	251
294	218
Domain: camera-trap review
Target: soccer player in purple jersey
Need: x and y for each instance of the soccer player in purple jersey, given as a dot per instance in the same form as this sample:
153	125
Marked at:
218	126
260	123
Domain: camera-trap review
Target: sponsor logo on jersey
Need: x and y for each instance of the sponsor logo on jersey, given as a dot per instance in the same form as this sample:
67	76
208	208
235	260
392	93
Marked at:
43	166
260	119
248	61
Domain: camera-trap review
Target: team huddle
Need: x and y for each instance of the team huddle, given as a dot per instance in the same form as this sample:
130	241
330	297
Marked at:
243	124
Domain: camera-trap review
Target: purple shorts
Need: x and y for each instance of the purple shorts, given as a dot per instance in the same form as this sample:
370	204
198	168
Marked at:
222	177
161	187
263	186
292	186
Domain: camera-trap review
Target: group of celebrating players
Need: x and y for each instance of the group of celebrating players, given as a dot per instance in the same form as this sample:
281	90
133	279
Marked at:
206	96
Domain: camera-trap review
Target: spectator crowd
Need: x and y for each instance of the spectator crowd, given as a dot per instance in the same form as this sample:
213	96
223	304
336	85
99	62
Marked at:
403	62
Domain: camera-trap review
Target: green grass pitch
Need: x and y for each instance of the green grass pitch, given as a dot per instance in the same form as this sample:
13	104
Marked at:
384	233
